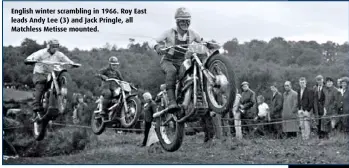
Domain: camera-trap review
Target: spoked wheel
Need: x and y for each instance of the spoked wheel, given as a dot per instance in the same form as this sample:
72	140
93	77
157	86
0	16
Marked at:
169	132
130	117
65	97
97	124
39	130
221	94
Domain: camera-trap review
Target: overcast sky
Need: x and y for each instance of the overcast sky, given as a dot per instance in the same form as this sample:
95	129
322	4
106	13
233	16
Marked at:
222	21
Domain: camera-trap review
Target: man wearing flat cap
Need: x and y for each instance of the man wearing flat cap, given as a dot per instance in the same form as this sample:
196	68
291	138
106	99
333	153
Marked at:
319	101
248	106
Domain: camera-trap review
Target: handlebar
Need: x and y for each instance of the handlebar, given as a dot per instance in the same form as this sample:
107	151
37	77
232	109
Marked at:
206	43
28	62
118	81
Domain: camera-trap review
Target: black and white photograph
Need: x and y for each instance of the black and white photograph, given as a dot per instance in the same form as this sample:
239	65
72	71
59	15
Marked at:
166	82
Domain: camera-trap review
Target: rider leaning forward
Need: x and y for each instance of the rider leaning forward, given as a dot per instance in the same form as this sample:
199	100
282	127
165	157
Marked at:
172	60
41	70
111	71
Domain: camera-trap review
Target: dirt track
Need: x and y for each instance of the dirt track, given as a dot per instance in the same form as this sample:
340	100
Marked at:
258	151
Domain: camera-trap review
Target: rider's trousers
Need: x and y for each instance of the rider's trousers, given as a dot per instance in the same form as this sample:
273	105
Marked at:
39	81
171	69
107	93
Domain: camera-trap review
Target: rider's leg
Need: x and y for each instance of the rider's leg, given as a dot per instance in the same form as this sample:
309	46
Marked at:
107	94
39	81
171	71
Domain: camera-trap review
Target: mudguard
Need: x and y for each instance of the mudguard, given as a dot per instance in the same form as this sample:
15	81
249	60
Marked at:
215	52
60	72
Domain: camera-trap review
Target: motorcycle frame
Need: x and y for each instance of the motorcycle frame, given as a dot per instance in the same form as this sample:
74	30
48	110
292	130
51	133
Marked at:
54	87
198	69
123	97
202	72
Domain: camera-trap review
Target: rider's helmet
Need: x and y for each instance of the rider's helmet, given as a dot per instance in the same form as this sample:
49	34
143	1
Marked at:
113	60
53	43
183	18
182	14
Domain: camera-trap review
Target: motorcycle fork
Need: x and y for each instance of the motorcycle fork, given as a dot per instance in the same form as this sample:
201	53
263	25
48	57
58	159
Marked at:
55	83
195	85
209	76
124	100
203	93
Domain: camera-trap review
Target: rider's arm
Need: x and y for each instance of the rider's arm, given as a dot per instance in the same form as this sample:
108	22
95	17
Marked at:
161	40
36	56
120	76
64	58
102	73
197	37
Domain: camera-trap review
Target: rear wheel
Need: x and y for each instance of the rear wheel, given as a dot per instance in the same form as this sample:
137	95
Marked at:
169	132
39	127
66	97
221	95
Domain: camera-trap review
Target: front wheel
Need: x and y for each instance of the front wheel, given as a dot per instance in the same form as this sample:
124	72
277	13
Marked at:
221	94
170	133
130	117
39	130
97	124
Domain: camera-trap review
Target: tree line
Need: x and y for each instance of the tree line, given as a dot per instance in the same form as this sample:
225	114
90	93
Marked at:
258	62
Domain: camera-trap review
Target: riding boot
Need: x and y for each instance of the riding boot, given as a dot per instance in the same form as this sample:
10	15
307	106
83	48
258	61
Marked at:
172	99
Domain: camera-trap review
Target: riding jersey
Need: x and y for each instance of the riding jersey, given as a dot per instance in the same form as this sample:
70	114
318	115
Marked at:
44	55
110	73
173	37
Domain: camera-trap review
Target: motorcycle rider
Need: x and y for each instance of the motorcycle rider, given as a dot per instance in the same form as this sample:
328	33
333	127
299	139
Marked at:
111	71
41	71
172	60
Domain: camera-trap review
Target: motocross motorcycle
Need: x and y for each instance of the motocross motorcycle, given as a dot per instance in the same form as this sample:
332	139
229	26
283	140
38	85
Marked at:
162	103
124	110
56	99
205	84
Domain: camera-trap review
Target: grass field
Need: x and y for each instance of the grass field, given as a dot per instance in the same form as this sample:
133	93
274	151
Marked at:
62	147
17	95
112	148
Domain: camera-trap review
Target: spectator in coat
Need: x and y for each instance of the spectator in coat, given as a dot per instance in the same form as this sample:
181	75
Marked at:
319	102
248	106
330	105
339	87
289	111
276	111
149	110
80	109
305	106
344	104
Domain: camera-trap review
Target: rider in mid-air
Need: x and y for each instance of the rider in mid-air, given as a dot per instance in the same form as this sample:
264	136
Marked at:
172	60
108	88
41	71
